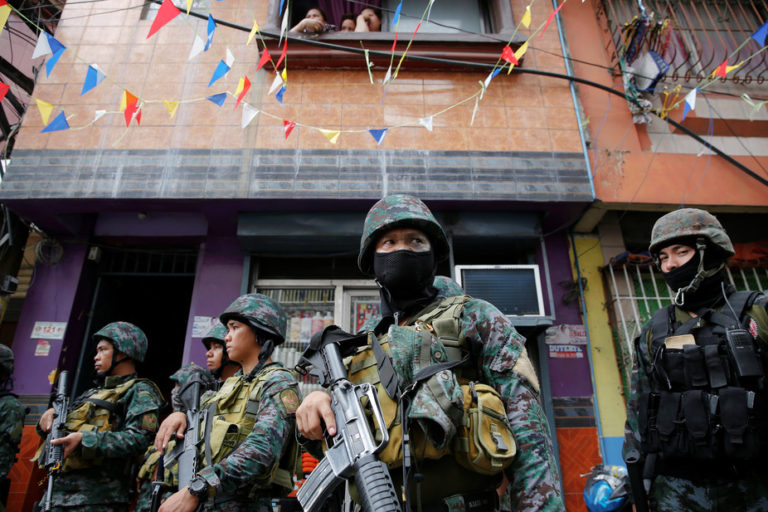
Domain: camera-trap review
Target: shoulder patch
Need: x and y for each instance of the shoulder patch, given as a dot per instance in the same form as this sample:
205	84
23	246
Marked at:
290	400
149	422
753	328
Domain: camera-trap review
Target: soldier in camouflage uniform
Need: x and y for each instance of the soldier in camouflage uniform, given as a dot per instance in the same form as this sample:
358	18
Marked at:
250	449
111	425
147	471
12	414
401	245
697	425
216	354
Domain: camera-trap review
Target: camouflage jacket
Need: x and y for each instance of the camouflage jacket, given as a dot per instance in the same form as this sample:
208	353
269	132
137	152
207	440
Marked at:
12	414
236	475
534	481
640	381
113	452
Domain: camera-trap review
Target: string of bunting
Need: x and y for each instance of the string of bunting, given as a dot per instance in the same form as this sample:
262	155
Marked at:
131	105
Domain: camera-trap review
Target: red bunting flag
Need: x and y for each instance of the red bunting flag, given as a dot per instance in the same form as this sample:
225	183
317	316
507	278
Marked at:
246	85
722	69
4	88
282	54
288	127
166	13
550	18
132	110
508	55
265	57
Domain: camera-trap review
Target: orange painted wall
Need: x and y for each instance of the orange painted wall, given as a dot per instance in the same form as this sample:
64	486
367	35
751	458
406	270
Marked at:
623	171
26	478
517	113
579	451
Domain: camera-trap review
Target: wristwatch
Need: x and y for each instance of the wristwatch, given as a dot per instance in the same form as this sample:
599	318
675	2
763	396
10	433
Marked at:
198	487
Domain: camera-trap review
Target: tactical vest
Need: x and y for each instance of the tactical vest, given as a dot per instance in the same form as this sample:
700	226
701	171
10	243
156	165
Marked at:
459	424
699	407
98	412
232	412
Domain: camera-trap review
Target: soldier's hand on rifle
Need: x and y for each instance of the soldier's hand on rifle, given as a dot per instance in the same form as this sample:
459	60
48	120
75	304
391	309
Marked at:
174	424
181	501
46	420
313	411
69	443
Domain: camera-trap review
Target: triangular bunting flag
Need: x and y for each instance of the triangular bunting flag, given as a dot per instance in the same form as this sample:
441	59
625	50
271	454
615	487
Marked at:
132	111
57	49
429	8
284	75
242	89
93	77
197	47
248	114
211	28
5	11
282	54
721	70
59	123
42	47
218	98
166	13
283	28
396	19
276	84
378	135
98	115
508	55
760	34
221	70
388	76
189	5
331	135
265	57
690	103
550	18
229	59
728	69
127	99
279	94
282	2
45	109
426	122
521	51
4	88
254	30
288	127
526	19
171	107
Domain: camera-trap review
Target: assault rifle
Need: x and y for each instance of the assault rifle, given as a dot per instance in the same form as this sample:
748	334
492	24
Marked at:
352	451
53	456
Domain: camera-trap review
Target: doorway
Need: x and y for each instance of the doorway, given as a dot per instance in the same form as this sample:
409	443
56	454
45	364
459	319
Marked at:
152	290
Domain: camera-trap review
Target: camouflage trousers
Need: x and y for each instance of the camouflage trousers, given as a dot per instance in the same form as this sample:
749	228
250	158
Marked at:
673	494
122	507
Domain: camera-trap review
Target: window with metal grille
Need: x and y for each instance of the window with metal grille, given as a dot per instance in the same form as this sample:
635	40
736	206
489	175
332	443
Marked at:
695	36
636	291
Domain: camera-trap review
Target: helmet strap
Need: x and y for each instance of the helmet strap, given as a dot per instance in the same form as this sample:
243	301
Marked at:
266	352
112	366
700	276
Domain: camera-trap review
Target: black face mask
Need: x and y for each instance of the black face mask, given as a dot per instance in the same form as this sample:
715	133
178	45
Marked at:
708	293
404	273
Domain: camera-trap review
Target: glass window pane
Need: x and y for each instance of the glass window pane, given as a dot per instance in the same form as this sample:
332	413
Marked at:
446	17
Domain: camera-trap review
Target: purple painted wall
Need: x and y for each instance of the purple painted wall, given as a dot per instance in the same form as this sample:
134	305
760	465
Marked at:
49	299
568	377
217	283
157	224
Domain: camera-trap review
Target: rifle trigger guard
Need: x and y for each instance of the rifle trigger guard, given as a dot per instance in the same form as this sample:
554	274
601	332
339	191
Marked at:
378	416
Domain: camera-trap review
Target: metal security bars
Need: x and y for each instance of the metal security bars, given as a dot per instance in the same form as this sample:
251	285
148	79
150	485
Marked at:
699	35
638	290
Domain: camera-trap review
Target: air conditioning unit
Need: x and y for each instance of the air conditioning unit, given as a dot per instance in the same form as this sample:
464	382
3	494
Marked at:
514	289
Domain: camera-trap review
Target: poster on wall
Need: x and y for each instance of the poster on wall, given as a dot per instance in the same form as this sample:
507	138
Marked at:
364	310
42	349
566	334
201	324
49	330
566	352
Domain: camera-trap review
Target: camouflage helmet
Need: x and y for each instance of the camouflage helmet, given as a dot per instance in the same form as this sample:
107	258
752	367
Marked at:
186	372
397	211
6	359
215	334
689	222
126	337
260	312
447	286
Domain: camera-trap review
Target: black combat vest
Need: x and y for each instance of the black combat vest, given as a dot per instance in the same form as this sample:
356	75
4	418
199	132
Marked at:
700	410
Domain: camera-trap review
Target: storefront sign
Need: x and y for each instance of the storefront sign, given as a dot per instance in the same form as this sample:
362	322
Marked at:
566	352
364	311
49	330
201	325
43	348
566	334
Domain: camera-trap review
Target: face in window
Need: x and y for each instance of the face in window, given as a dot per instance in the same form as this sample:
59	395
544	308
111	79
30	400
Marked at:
675	256
315	14
348	25
403	239
368	21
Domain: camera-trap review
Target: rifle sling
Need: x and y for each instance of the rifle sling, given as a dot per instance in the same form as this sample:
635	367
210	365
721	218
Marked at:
207	433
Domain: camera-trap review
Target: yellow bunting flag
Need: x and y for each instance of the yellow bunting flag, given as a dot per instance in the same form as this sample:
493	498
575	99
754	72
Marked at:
5	11
189	6
728	69
526	19
521	51
171	107
45	110
254	30
284	75
331	135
